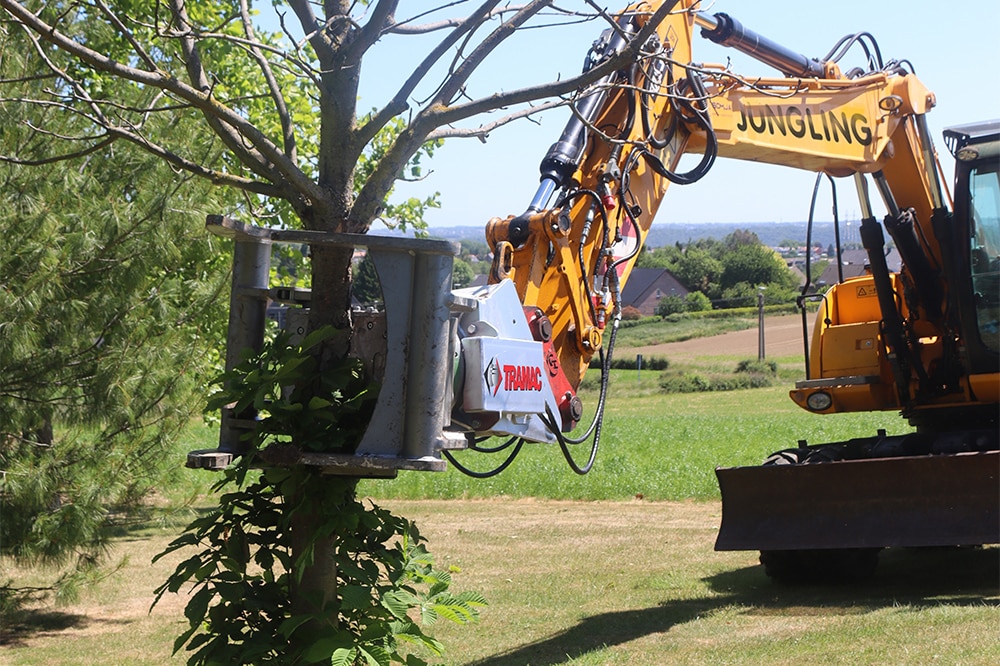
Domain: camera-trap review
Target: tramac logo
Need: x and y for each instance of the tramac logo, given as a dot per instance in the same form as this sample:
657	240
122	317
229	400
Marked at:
512	377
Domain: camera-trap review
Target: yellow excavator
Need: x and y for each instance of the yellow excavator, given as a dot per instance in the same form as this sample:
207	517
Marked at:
459	367
922	341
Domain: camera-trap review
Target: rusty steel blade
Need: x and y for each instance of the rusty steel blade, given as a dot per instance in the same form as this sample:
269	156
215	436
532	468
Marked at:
941	500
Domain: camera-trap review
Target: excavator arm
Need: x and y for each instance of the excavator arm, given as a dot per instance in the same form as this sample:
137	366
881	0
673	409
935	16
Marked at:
571	252
920	340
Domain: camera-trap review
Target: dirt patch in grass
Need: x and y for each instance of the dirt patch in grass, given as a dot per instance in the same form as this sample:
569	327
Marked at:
782	337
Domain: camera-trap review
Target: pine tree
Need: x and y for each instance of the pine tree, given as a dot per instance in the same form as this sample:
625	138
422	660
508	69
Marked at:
111	315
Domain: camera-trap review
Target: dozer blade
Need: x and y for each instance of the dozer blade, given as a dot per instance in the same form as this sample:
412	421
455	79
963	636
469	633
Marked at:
940	500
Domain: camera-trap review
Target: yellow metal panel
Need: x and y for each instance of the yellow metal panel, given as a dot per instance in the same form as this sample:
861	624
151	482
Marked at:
986	387
851	349
857	301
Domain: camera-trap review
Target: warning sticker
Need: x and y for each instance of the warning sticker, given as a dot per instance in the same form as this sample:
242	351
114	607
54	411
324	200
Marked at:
867	291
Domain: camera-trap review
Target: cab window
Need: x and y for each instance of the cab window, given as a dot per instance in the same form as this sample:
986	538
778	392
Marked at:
984	194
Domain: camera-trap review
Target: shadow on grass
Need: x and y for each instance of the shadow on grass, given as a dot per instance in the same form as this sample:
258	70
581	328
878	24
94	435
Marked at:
28	624
26	613
925	577
25	624
151	520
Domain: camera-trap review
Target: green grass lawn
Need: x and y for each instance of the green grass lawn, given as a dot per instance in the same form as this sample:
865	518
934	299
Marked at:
613	568
630	583
662	446
658	331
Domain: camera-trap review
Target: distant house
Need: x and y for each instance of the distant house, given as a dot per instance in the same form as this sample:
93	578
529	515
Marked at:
646	286
798	272
644	289
854	262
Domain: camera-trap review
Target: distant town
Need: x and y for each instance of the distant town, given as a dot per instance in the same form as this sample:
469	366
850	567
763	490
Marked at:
772	234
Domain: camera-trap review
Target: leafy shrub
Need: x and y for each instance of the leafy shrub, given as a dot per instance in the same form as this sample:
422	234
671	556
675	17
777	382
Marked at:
697	302
689	382
669	305
753	366
631	363
631	313
686	382
740	295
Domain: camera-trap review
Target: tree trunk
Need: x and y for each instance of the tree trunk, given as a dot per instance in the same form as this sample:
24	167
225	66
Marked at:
315	588
317	579
331	299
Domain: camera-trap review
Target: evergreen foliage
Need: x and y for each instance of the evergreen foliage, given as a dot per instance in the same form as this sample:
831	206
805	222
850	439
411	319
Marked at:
365	286
111	314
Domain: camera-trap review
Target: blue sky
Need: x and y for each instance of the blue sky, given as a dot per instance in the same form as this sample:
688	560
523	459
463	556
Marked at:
954	52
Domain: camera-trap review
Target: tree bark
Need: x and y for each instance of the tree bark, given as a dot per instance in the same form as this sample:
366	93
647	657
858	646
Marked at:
314	586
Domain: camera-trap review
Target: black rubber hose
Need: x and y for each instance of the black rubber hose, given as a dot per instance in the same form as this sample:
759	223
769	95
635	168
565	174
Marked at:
484	475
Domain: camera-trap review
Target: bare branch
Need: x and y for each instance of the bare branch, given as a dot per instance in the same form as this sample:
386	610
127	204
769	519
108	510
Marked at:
26	79
438	113
59	73
315	32
398	103
483	131
458	78
251	145
302	68
407	26
213	175
441	114
127	34
107	141
381	17
192	61
287	131
369	201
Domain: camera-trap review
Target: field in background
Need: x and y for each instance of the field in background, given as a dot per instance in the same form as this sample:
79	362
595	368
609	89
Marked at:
658	445
663	447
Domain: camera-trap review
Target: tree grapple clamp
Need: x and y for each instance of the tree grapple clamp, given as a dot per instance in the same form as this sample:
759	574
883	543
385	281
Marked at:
407	348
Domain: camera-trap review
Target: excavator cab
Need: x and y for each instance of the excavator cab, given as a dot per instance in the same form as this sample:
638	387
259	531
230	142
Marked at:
977	154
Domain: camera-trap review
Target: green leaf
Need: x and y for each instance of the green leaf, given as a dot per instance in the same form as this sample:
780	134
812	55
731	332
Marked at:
399	602
316	403
288	627
471	598
323	649
183	638
355	597
316	337
343	657
375	656
197	606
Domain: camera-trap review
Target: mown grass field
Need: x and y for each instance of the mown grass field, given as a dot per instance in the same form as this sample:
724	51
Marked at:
663	447
614	568
625	583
